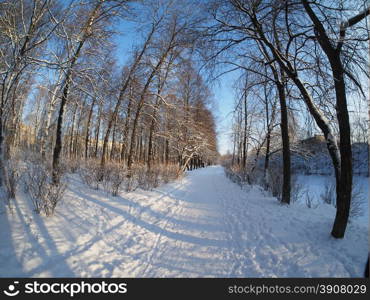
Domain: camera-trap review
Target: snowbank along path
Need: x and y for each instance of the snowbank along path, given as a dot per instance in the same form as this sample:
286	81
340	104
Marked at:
202	225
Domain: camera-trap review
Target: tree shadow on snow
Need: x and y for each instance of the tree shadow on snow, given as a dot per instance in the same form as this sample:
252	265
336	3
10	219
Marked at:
53	261
152	226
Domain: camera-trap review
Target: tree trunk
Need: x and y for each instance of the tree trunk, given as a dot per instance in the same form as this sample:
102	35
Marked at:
244	163
67	82
126	127
112	150
58	139
150	144
87	133
268	135
167	152
51	108
161	84
344	186
72	132
285	198
267	155
97	132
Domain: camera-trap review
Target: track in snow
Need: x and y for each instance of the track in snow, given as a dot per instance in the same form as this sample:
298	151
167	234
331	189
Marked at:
200	226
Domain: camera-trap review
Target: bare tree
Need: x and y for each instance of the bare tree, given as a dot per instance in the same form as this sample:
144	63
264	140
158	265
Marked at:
333	52
97	13
20	50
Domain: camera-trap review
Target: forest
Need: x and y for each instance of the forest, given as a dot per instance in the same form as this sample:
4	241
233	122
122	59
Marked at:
120	99
306	71
67	103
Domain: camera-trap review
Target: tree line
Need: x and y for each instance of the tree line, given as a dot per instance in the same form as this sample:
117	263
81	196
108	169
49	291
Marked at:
66	98
297	60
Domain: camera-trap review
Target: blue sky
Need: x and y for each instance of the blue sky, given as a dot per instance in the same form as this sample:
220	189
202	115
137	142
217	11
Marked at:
224	99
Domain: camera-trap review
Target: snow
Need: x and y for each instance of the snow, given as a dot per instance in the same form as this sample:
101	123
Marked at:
202	225
315	184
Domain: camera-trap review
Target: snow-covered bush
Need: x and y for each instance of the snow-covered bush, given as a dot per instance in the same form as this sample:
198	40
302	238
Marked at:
129	184
135	177
256	176
139	174
91	173
71	165
237	175
275	180
140	177
358	199
146	179
298	190
310	199
11	178
329	194
170	172
43	193
53	195
113	178
153	177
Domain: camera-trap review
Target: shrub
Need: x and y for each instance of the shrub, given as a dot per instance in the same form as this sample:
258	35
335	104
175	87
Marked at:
298	190
236	175
153	178
275	181
91	173
113	178
71	165
328	196
11	179
44	194
170	172
310	199
358	199
54	193
139	173
140	177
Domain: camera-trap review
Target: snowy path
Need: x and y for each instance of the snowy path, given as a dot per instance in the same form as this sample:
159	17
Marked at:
200	226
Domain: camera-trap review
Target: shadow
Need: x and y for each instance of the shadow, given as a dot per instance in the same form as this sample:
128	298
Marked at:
53	255
153	227
190	266
7	252
87	245
147	209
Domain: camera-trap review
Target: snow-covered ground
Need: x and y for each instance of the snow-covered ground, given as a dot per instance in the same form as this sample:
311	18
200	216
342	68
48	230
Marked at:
200	226
315	186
